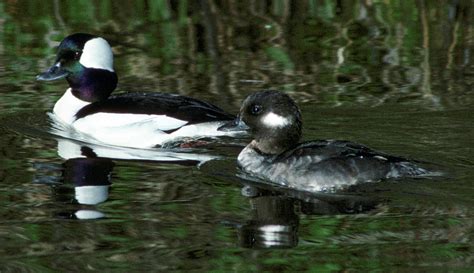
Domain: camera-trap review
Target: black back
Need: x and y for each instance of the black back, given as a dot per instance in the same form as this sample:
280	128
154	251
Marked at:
326	149
176	106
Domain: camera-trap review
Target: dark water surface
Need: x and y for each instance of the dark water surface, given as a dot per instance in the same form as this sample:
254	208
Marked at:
394	75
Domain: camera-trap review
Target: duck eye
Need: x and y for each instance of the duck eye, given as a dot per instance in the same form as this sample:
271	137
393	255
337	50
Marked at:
256	109
70	55
77	55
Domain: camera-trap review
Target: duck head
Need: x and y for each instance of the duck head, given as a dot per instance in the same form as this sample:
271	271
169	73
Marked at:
86	62
273	119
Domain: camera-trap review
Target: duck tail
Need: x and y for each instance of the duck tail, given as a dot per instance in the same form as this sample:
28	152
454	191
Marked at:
410	169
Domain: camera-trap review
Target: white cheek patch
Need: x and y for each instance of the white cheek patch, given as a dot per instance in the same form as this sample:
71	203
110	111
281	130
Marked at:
97	54
273	120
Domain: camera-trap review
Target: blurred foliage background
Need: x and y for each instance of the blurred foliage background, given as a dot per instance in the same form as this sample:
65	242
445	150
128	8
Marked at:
330	52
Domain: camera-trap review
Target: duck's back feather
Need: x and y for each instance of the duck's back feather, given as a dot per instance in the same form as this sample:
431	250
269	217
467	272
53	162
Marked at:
179	107
326	149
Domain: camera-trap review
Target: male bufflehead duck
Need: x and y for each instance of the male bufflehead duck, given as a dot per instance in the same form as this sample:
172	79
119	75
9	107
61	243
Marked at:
275	154
139	120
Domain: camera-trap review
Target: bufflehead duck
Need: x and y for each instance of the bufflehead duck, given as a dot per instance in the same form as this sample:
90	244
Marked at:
139	120
275	154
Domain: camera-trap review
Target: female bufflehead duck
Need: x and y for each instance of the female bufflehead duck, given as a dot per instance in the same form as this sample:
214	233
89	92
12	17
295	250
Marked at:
275	153
138	120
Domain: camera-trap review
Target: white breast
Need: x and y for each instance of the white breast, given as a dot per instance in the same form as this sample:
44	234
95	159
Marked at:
67	106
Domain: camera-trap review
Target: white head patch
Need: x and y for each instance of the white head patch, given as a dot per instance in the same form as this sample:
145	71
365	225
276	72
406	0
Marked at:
97	54
273	120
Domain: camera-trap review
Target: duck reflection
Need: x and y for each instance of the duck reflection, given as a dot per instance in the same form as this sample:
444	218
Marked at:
275	214
71	148
88	168
274	223
91	179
